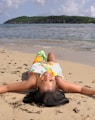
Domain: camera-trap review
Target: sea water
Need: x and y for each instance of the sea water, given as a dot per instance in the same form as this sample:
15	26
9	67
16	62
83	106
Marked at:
78	37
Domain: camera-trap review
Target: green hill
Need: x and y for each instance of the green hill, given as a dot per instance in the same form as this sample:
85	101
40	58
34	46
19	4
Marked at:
50	19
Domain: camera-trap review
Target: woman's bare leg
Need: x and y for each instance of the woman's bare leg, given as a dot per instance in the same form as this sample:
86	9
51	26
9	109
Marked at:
50	57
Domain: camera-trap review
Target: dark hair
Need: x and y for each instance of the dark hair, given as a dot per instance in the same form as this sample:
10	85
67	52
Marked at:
48	98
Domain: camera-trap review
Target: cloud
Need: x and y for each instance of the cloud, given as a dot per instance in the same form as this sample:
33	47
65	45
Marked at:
41	2
66	7
92	11
75	7
8	6
69	8
14	3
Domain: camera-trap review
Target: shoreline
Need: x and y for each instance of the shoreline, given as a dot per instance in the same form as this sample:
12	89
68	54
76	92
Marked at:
13	65
67	54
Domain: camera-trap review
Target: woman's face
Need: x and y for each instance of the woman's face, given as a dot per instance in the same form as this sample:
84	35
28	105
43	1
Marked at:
47	82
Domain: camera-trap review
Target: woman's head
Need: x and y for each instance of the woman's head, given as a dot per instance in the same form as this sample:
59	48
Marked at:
47	93
47	82
48	98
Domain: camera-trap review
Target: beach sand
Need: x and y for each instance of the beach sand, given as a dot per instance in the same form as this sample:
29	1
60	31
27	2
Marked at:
14	65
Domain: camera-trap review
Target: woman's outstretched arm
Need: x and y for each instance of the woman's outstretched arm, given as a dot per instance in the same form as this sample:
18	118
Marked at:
19	86
73	88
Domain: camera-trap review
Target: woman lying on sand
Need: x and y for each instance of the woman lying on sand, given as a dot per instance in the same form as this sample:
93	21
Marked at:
47	82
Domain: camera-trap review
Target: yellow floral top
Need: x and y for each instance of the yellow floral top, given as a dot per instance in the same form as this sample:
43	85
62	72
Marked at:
53	68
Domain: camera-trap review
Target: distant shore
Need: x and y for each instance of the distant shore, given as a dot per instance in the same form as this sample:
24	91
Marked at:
51	19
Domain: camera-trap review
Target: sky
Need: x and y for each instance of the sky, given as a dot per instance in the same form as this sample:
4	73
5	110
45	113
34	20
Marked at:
14	8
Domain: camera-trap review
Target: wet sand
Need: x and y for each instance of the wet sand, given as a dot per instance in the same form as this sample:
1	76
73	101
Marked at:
84	56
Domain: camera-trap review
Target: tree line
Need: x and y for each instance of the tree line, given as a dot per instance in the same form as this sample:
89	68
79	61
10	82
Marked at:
50	19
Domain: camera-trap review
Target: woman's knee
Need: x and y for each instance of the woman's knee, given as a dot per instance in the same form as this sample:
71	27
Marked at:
51	57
